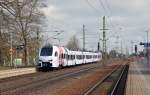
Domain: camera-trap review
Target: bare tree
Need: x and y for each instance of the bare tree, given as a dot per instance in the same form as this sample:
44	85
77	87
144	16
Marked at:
73	44
22	19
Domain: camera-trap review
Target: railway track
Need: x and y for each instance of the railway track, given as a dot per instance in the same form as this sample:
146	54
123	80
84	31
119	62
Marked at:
24	88
118	81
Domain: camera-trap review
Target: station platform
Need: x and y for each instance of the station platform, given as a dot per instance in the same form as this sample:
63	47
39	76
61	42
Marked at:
138	82
16	72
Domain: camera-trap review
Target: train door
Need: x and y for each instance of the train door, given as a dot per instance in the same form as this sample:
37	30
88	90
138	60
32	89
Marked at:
65	57
55	57
83	57
61	56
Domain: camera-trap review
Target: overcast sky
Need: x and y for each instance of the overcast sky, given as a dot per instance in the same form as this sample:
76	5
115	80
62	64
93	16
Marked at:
128	19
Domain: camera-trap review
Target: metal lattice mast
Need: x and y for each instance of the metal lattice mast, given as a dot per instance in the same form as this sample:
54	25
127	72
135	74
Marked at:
83	37
104	49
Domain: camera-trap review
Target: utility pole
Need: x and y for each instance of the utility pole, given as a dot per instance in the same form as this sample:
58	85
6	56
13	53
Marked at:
117	43
147	51
11	50
83	37
11	46
136	49
104	51
99	44
132	47
121	49
38	45
127	51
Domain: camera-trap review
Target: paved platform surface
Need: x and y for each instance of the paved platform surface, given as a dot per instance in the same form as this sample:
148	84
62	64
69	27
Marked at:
16	72
138	82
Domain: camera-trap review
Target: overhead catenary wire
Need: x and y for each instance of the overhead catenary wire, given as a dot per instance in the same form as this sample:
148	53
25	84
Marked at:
103	6
95	9
107	10
106	7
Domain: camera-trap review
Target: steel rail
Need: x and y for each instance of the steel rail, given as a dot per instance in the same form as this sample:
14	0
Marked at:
113	92
39	82
89	91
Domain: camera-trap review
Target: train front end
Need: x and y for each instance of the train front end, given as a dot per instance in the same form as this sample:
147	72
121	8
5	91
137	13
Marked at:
46	58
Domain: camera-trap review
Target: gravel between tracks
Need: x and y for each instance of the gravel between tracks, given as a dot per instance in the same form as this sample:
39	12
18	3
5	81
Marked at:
80	86
28	84
71	85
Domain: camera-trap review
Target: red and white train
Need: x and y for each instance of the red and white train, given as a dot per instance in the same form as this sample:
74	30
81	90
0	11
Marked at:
55	57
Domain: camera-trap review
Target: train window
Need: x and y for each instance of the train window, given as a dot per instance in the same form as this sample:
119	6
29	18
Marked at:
70	57
46	51
76	56
62	56
83	56
66	56
87	56
79	57
56	53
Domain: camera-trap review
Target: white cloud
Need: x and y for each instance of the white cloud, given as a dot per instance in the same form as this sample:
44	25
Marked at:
130	18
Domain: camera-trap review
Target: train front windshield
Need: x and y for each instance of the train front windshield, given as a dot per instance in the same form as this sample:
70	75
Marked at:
46	51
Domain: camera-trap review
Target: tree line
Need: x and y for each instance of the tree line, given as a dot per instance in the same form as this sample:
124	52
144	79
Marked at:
20	24
20	20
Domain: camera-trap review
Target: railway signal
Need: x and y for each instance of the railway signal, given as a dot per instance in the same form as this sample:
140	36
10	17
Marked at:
19	47
135	48
98	46
146	49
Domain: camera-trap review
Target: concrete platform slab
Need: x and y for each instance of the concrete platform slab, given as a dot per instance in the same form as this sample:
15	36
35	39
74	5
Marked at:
138	82
16	72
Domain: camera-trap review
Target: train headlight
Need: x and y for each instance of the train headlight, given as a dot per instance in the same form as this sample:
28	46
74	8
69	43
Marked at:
40	60
50	61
